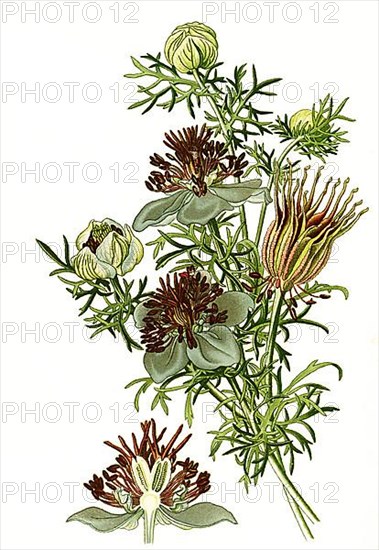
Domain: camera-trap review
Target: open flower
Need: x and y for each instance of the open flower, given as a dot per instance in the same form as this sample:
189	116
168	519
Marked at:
147	480
106	249
188	319
193	175
191	46
299	241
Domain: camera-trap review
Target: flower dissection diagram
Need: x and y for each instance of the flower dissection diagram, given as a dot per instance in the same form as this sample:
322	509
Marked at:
189	319
149	483
193	175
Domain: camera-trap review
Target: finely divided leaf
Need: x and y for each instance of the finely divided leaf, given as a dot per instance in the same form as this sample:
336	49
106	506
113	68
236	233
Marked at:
312	367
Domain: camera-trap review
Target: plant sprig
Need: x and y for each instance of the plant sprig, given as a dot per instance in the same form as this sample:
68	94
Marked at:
116	315
324	137
237	106
167	87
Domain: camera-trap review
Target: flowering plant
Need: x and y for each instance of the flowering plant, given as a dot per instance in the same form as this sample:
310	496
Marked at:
218	322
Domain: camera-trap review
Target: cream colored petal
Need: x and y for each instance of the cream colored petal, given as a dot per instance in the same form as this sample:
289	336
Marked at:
160	475
134	256
89	267
113	250
84	235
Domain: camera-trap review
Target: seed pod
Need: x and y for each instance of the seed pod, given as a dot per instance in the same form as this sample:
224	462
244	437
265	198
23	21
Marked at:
299	241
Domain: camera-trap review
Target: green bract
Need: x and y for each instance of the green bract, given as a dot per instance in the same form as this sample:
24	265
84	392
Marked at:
106	249
189	208
216	345
191	46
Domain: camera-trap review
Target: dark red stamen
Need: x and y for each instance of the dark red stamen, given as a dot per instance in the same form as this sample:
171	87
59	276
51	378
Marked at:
196	156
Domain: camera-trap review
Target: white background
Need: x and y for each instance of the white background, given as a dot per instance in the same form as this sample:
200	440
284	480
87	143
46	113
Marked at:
339	52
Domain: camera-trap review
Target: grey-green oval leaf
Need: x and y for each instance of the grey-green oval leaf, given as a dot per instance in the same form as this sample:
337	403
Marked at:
202	209
104	521
139	314
216	348
238	192
204	514
160	211
236	304
170	361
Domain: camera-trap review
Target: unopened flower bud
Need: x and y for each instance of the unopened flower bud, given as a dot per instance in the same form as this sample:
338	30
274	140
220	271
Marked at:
106	249
191	46
301	120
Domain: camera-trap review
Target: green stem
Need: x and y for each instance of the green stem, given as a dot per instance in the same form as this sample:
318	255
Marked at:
279	470
271	338
215	108
298	505
299	517
290	488
278	166
122	300
213	105
148	526
237	390
231	281
119	293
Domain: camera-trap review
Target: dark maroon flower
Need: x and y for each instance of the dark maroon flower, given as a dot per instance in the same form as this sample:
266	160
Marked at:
188	319
197	161
177	307
149	466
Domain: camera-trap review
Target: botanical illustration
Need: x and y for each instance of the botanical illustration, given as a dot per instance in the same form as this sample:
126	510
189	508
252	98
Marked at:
243	233
148	483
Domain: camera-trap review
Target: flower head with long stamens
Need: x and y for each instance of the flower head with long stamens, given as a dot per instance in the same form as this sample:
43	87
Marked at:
178	307
298	243
193	177
188	319
148	481
197	162
149	468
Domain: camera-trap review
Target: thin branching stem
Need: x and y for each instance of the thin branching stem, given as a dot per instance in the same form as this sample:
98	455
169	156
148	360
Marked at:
299	506
225	131
278	166
271	339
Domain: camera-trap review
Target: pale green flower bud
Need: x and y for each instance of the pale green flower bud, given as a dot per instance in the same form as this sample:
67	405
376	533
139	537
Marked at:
191	46
301	119
106	249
